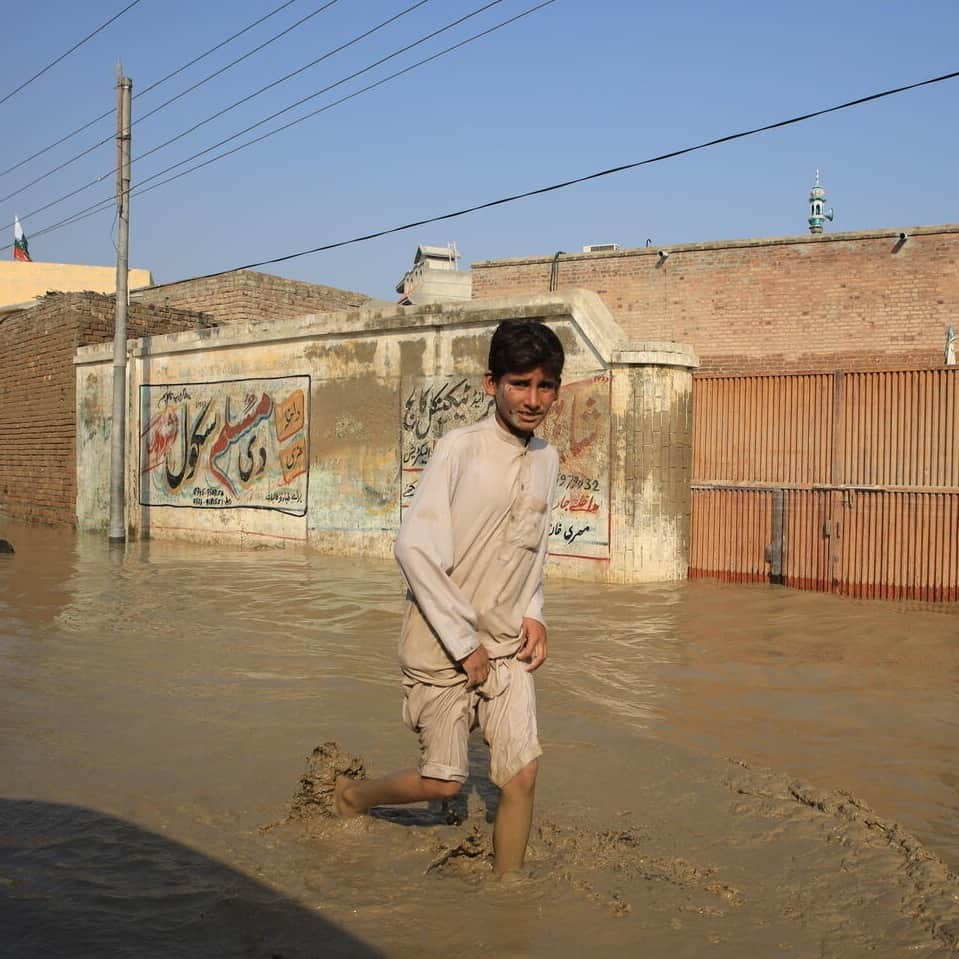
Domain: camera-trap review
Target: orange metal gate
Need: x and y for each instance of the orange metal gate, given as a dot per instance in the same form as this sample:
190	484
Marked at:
847	482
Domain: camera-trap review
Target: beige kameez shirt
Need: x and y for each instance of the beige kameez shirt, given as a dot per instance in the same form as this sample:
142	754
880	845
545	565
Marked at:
472	547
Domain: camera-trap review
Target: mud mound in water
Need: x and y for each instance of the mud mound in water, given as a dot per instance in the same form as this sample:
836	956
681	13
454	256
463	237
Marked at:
475	849
752	861
586	859
876	849
314	792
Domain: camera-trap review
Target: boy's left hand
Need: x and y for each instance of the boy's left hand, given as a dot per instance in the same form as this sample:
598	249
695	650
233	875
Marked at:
533	650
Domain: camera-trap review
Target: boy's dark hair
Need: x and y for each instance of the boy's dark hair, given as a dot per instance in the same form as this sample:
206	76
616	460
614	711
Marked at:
519	346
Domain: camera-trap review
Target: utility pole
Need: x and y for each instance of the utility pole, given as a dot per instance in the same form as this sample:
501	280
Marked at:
118	526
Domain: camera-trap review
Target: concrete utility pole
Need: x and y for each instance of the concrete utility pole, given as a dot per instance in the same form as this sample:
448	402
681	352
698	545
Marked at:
118	526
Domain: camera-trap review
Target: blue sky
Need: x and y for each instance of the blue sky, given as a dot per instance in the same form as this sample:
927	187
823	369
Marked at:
574	88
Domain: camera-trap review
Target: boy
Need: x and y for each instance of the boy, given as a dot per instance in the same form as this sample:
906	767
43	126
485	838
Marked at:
472	548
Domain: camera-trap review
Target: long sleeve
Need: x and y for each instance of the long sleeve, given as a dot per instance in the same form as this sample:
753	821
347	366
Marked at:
425	552
535	608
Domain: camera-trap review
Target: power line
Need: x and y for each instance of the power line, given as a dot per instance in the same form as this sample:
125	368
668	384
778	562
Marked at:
343	99
555	186
56	169
62	56
166	103
179	136
230	39
307	66
593	176
273	116
100	205
152	86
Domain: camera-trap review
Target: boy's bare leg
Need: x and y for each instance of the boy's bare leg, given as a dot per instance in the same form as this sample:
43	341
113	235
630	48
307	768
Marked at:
514	817
353	797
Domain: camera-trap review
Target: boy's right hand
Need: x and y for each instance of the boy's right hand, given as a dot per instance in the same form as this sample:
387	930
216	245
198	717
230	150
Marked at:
476	667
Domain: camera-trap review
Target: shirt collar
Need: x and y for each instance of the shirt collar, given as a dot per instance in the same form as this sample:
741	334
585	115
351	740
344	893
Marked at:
506	436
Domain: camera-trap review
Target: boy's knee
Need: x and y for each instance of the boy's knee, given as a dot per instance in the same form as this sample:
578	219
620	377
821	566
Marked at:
524	781
441	788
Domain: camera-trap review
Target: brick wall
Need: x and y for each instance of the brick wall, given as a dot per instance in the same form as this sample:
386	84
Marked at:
245	295
38	394
847	300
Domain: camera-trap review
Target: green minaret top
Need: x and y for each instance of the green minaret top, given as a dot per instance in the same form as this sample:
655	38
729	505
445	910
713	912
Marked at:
817	207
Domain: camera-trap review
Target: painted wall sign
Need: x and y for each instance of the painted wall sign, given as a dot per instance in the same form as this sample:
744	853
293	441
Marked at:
578	426
226	445
431	407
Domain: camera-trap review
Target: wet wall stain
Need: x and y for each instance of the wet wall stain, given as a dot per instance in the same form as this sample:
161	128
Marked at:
344	412
412	357
344	354
470	353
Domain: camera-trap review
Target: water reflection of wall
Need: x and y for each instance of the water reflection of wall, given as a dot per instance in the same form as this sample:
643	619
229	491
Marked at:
578	426
224	445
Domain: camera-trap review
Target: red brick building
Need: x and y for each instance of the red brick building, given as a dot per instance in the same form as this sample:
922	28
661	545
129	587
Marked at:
869	300
38	479
247	295
38	381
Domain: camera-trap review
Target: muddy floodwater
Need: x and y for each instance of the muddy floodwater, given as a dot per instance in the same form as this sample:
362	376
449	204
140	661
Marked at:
728	771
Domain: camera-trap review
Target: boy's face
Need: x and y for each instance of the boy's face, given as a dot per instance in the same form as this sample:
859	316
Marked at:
522	399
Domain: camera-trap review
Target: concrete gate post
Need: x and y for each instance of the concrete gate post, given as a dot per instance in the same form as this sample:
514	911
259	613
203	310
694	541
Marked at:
652	430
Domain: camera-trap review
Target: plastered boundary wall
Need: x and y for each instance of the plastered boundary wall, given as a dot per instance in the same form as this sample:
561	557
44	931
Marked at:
377	386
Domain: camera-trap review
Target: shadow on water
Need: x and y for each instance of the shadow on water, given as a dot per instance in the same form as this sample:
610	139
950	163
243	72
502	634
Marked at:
78	883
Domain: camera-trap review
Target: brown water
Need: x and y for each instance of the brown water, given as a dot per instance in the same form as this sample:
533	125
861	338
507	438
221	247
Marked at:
159	702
